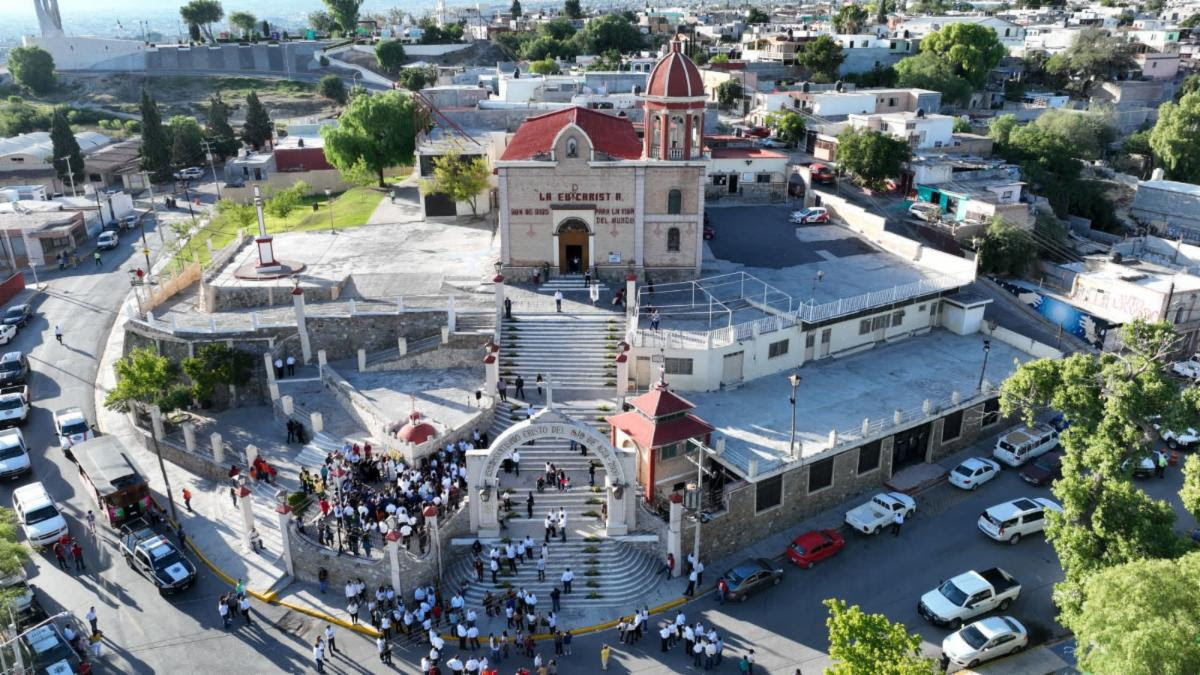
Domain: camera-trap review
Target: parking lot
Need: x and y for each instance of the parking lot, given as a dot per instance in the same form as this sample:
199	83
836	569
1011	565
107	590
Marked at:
761	236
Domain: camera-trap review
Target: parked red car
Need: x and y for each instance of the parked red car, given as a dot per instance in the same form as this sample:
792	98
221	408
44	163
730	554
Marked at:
820	173
814	546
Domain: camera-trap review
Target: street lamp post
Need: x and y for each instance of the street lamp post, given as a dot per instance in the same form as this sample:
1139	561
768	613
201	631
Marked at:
987	347
70	173
816	280
794	380
208	155
329	198
188	198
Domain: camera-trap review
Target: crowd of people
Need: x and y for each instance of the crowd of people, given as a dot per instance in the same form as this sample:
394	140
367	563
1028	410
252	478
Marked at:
364	495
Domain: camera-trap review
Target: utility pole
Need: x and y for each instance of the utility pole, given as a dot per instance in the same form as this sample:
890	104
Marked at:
70	174
208	154
698	510
188	198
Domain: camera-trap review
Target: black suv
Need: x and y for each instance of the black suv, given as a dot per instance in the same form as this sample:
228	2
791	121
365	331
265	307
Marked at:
14	368
18	315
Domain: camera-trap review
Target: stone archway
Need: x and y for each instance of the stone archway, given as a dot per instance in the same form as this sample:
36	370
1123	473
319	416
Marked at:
483	470
573	241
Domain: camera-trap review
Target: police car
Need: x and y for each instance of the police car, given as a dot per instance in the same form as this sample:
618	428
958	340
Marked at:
155	557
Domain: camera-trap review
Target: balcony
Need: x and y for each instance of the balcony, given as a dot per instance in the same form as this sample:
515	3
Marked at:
675	153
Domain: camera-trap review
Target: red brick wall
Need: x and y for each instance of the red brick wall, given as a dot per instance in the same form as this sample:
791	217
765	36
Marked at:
11	286
301	159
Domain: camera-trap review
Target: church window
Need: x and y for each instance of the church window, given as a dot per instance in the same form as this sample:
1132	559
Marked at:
674	201
673	239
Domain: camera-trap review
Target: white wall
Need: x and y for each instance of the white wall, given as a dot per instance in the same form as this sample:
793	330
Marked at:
843	104
86	53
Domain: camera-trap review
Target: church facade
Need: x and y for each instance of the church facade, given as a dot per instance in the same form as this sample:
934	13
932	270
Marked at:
578	189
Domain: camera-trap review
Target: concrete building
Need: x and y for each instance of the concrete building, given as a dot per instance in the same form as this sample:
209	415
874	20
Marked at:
38	231
976	198
469	146
1169	208
921	130
577	189
1010	34
659	428
754	174
28	158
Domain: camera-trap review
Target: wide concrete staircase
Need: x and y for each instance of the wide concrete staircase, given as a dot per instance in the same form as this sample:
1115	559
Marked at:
568	283
574	351
620	572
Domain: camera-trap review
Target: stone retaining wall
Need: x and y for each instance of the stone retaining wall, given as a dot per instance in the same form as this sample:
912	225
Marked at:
309	558
225	298
342	336
463	350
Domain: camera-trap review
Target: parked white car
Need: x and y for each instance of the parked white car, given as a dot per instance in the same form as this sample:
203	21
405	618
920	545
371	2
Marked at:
878	513
190	173
14	455
1017	518
983	640
1025	443
8	331
1176	439
815	214
1189	369
973	472
38	514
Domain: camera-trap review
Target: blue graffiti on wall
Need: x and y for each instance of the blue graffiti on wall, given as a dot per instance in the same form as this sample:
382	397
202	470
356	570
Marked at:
1073	320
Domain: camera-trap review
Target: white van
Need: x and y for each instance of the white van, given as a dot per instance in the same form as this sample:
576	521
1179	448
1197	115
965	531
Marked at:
1025	443
38	515
14	454
1012	520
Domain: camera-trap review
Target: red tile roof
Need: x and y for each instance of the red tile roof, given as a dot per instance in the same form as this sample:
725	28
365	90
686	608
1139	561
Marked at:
660	401
608	134
647	434
745	153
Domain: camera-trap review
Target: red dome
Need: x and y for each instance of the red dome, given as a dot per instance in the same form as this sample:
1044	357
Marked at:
416	431
675	76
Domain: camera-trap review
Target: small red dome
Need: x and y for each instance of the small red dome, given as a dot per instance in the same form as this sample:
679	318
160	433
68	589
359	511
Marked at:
675	76
416	431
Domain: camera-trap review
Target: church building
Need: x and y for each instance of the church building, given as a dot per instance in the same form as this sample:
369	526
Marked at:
578	189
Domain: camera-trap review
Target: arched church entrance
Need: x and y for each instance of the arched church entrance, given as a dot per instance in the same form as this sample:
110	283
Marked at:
574	253
484	465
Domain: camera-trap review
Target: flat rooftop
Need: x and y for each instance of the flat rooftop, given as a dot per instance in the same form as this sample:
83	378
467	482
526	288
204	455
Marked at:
839	393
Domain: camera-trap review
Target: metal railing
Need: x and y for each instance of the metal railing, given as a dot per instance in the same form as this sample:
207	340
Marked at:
777	304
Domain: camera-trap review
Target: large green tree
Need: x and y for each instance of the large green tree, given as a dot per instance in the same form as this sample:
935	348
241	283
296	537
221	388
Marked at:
217	130
333	88
928	71
729	93
322	21
187	146
971	49
1088	133
156	147
378	130
861	643
871	156
459	178
822	57
389	54
1094	55
243	21
755	15
1107	519
344	14
217	363
1176	138
572	9
1141	618
66	148
1000	128
19	117
611	31
515	9
33	68
257	131
1005	249
546	66
143	378
203	14
789	126
850	19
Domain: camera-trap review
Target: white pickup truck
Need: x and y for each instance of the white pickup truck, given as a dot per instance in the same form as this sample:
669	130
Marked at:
968	595
878	513
14	405
1189	369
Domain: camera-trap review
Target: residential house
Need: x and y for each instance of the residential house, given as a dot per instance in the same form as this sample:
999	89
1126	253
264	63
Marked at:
753	174
976	198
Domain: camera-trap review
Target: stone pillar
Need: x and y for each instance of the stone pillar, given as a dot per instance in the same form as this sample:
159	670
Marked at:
284	512
393	547
317	422
630	293
451	315
321	361
675	537
445	334
301	325
491	369
156	422
270	368
489	521
498	285
362	359
218	448
288	405
189	436
402	345
251	454
615	525
273	389
246	504
622	376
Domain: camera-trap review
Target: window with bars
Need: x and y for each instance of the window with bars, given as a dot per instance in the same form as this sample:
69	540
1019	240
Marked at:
777	349
678	366
768	493
820	475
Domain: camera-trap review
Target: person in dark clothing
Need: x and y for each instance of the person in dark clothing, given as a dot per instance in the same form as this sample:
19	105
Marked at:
529	505
291	429
520	391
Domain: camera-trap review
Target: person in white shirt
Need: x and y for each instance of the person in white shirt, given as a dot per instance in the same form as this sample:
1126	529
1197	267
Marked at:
567	577
330	640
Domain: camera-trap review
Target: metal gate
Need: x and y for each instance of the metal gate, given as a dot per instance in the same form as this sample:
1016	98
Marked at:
731	368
